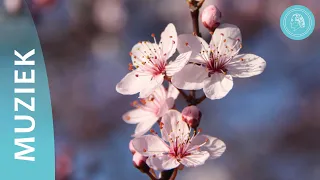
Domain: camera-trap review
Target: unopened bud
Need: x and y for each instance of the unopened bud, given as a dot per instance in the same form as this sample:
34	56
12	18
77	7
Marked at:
139	162
191	115
211	17
131	148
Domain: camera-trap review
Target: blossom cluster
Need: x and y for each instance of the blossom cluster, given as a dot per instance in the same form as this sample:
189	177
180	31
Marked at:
198	65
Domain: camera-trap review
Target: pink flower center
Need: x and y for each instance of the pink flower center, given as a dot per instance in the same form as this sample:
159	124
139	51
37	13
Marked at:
217	64
178	150
158	67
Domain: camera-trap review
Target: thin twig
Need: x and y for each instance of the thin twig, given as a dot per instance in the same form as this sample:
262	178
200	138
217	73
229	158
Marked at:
152	172
185	96
201	99
174	174
195	22
166	175
193	94
151	176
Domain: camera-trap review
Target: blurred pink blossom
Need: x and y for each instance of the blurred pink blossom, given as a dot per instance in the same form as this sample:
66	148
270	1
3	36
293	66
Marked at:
151	109
63	166
151	63
13	6
182	149
217	62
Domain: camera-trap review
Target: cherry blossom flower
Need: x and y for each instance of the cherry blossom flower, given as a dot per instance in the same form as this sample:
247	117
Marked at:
150	109
217	63
150	61
176	146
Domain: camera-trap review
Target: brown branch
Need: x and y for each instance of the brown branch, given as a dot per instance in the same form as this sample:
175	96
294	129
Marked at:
174	174
195	22
151	176
202	98
166	175
152	172
193	94
185	96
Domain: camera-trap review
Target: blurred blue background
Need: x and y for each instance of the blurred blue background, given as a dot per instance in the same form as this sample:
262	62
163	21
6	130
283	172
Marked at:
270	123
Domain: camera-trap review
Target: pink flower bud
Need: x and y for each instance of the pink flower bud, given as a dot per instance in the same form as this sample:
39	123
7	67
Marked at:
139	162
191	115
63	166
211	17
131	148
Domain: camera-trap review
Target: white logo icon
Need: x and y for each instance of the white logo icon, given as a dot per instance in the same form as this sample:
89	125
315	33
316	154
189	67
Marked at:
297	21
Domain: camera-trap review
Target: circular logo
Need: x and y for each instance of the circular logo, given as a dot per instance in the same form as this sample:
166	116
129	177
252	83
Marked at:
297	22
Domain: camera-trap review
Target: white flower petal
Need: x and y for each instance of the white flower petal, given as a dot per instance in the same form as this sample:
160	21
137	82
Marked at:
187	42
214	146
191	77
140	50
144	126
228	31
168	42
217	86
150	86
172	92
246	65
174	126
199	140
178	64
162	162
160	94
227	37
196	142
137	115
164	108
195	159
132	83
149	145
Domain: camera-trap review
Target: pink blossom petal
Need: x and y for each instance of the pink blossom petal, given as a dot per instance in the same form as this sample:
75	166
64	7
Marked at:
198	140
160	94
246	65
139	51
168	104
168	43
178	64
132	83
149	145
195	159
191	77
189	42
172	92
137	115
225	38
162	162
173	126
149	87
145	125
214	146
218	86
